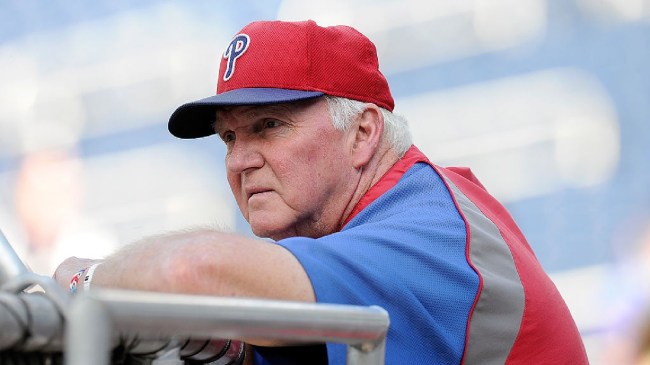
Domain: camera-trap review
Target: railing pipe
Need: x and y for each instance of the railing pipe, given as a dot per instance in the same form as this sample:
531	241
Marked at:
95	316
11	266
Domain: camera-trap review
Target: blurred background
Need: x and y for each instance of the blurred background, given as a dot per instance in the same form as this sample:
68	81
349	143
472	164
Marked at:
548	101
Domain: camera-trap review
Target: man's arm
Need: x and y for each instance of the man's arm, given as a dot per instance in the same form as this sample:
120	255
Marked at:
200	262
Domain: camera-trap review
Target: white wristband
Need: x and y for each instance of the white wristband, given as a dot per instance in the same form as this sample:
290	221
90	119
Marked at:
88	276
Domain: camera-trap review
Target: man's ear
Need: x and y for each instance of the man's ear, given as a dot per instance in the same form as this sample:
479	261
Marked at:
367	134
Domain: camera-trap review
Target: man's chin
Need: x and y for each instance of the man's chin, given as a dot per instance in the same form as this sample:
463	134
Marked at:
269	231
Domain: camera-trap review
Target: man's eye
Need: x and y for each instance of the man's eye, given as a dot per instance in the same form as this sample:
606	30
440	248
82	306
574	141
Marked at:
228	137
271	123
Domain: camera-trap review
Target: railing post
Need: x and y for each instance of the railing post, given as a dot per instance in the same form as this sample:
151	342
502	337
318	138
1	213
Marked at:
88	338
367	353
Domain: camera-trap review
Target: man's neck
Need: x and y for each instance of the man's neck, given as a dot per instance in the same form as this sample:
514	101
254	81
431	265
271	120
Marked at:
371	173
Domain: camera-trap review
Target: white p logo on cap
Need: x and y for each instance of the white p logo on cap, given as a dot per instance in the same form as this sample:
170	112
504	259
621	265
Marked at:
235	49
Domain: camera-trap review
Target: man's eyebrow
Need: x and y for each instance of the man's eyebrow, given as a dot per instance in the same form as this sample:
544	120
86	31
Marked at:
281	109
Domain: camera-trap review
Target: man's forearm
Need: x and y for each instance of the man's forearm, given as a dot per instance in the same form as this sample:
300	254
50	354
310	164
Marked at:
200	262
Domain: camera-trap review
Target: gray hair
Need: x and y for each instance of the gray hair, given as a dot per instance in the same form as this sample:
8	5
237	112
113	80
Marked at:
396	130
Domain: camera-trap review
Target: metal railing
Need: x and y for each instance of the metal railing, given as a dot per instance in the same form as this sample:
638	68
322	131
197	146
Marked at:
10	264
160	324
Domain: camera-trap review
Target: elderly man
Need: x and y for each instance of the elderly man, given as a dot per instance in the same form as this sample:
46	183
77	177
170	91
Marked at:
318	162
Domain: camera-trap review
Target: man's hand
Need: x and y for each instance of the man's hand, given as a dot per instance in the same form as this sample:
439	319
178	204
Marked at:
69	267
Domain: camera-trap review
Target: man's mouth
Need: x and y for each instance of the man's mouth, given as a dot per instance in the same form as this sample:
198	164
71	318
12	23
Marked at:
257	192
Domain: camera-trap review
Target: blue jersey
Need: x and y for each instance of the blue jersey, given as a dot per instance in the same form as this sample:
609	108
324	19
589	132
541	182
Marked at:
417	246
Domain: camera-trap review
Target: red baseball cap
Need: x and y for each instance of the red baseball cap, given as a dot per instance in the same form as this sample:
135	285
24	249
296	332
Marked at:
270	62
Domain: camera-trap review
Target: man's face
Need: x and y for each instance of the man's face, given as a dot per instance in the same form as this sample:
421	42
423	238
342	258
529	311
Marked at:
288	168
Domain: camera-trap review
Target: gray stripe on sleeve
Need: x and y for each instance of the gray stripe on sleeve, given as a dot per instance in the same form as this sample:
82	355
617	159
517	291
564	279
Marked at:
495	321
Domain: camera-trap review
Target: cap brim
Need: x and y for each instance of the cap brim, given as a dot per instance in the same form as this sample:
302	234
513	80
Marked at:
196	119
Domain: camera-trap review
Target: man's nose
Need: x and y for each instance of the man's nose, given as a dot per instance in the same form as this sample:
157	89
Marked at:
243	156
